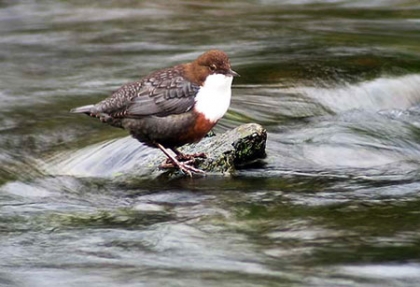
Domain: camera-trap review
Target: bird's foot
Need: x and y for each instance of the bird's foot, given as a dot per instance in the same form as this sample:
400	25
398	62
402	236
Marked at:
188	157
184	166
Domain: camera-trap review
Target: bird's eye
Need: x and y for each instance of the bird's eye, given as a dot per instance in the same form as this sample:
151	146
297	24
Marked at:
212	67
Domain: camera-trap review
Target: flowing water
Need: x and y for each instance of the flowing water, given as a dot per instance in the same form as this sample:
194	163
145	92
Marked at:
336	203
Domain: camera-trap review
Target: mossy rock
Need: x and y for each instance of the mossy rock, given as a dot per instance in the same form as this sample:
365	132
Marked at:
231	150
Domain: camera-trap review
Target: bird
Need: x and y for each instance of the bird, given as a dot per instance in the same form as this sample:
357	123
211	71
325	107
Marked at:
171	107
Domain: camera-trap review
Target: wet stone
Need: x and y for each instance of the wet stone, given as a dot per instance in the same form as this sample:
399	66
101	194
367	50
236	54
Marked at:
227	152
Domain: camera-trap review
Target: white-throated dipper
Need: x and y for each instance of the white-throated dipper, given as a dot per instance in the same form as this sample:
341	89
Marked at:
171	107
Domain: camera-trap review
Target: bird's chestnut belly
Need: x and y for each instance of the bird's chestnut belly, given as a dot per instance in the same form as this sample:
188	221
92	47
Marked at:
170	131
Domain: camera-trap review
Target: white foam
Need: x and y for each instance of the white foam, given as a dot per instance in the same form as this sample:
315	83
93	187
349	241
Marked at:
375	95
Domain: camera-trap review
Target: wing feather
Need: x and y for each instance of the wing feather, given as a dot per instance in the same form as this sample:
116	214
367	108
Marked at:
162	93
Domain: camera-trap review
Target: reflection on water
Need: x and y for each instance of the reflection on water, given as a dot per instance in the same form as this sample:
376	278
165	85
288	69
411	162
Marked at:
334	82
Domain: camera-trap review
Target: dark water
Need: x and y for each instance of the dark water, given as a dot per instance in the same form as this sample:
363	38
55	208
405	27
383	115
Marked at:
336	84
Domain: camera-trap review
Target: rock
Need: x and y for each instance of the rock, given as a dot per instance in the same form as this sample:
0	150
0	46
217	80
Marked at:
231	150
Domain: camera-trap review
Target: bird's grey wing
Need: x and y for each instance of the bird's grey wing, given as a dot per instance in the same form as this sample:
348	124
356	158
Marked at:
162	93
169	96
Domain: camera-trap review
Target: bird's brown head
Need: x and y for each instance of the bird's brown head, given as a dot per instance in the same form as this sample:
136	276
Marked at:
209	63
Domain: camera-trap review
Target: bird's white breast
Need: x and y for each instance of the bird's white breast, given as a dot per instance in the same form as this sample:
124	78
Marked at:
213	98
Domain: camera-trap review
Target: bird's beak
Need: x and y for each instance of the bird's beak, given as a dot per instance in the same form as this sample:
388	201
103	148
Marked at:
233	73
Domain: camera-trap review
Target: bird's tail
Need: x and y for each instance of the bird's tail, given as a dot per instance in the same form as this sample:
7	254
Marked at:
82	110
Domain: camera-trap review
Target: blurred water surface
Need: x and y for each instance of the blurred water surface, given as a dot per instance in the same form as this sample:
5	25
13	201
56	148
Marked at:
336	84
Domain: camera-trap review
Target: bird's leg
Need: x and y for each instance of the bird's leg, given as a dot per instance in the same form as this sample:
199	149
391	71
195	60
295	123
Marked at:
183	166
187	157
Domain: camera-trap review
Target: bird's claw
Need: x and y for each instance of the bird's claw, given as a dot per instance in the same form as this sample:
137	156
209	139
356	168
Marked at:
184	166
188	169
188	157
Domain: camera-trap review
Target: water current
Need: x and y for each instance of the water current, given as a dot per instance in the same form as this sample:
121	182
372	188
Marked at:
336	83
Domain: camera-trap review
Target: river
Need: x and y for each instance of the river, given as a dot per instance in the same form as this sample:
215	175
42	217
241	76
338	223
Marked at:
336	83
